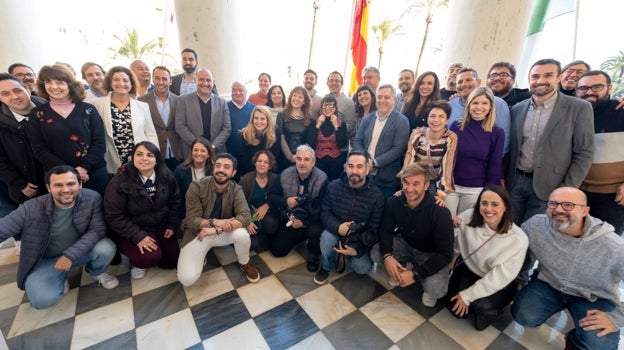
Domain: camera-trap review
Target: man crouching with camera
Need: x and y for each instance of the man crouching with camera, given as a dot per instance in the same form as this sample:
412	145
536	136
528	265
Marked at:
298	194
351	213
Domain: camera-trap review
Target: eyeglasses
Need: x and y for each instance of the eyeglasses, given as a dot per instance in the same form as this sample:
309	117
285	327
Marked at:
594	88
499	75
567	206
328	105
24	75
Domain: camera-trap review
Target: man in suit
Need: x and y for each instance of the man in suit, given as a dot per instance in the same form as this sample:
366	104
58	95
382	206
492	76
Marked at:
551	142
162	105
383	135
202	115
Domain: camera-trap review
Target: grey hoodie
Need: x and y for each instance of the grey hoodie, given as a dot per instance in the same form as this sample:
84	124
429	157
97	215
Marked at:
590	266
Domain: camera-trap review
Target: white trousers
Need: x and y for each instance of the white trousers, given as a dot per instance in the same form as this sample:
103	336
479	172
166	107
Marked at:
462	199
191	261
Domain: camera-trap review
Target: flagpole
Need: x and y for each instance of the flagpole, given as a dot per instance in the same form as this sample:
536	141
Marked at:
347	71
576	22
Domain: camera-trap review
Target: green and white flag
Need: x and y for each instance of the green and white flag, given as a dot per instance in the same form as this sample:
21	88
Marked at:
550	35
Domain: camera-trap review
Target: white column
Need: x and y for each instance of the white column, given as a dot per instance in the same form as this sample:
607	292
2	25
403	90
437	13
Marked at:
19	32
211	28
484	32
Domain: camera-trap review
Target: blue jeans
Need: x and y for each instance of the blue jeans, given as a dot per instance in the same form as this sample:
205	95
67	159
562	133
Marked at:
45	285
525	202
537	301
359	264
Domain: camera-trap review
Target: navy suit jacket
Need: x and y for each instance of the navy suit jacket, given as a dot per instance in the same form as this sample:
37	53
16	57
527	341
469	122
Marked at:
390	148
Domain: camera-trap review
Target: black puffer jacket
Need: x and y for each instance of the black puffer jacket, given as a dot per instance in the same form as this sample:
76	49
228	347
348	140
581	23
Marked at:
343	203
133	216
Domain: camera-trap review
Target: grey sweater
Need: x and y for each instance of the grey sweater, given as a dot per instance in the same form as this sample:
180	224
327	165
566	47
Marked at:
590	266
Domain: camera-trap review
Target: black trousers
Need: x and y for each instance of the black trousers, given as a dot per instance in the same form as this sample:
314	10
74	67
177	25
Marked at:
487	307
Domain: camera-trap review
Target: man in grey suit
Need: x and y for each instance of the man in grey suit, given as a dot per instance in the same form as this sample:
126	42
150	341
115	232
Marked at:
551	142
383	136
202	115
162	105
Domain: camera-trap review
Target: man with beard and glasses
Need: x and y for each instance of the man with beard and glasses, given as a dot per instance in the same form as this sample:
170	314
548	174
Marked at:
501	79
406	80
352	201
604	184
184	83
451	75
551	142
26	74
216	214
581	266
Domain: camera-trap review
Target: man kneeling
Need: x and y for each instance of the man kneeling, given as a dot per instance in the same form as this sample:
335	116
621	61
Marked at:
581	266
60	230
217	212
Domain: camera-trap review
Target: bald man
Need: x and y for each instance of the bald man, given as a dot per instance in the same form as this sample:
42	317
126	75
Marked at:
202	114
240	112
581	265
144	77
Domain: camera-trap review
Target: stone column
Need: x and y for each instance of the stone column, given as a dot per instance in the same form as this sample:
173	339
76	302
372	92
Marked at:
483	32
211	28
19	29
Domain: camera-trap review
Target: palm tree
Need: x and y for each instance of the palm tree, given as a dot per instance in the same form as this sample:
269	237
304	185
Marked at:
130	45
429	6
383	31
615	67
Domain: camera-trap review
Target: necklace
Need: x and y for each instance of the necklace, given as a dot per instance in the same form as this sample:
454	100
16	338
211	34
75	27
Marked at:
296	117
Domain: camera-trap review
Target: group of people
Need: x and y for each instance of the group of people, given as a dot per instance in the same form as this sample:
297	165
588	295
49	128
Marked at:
501	175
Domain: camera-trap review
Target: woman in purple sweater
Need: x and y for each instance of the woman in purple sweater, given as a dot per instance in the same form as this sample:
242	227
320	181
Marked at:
479	151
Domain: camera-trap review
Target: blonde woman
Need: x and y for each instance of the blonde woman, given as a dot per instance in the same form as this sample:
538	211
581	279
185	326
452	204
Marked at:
479	151
259	134
127	121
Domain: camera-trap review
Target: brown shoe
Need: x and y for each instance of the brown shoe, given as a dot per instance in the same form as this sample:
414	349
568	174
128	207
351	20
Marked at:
251	272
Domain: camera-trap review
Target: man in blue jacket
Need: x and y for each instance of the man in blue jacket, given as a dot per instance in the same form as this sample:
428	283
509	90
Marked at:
60	230
350	201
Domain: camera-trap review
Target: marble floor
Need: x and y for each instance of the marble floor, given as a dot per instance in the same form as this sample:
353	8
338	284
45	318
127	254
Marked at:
285	310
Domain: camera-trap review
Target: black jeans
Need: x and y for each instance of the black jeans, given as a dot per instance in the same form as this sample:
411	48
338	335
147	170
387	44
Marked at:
286	238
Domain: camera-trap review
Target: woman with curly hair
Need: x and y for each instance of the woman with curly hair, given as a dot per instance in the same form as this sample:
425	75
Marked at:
66	130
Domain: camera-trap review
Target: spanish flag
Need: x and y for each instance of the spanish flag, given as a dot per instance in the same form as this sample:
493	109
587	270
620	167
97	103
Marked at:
359	39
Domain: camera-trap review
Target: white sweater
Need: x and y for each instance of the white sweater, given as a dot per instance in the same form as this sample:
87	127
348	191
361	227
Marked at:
497	262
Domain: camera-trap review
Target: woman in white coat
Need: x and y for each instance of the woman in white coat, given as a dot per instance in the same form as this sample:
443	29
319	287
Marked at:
127	121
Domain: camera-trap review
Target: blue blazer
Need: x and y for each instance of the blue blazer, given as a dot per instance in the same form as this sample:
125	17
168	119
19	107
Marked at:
390	148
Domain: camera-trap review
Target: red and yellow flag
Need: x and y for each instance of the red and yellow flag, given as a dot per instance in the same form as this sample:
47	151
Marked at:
359	39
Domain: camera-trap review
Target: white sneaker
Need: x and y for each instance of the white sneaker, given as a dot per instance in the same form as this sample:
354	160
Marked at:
66	290
137	273
106	281
428	300
18	247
